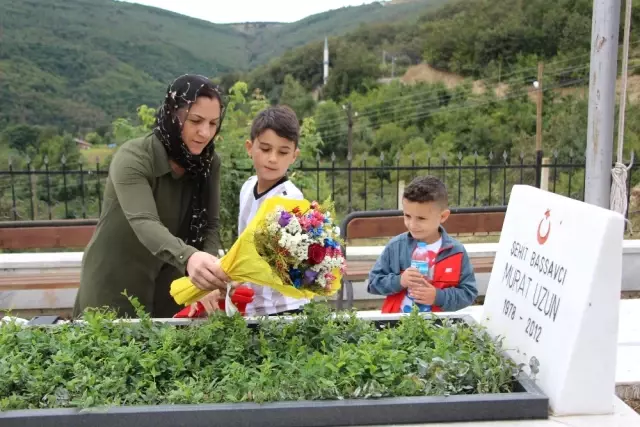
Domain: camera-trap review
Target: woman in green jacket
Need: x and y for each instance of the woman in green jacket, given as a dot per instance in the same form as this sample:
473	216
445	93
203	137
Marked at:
161	209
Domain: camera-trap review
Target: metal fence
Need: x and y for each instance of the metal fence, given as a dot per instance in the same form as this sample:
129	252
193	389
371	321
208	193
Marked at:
29	191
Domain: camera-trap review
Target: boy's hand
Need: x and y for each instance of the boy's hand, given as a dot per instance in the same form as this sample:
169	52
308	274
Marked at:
209	302
425	294
412	278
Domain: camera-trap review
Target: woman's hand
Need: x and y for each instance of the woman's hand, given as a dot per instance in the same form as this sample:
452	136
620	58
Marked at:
206	273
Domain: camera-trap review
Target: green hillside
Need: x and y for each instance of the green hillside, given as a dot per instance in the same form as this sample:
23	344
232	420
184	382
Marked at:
472	38
78	73
277	39
78	64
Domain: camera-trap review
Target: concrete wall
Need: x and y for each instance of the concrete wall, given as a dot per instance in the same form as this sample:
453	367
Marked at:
13	267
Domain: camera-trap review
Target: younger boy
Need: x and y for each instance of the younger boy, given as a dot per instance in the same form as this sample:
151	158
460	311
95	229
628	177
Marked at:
453	283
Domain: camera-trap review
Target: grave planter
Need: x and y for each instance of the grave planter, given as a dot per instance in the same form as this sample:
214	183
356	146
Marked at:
526	401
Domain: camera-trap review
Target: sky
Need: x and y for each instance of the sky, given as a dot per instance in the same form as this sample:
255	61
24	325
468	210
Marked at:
250	10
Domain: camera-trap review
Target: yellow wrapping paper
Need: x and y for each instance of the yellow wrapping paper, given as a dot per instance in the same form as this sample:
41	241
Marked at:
243	263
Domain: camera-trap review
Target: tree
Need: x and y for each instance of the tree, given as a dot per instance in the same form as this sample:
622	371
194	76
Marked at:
56	150
123	129
310	147
296	97
21	136
354	69
331	123
236	165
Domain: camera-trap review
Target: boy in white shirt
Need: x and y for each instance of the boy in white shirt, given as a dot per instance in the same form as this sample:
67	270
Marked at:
273	147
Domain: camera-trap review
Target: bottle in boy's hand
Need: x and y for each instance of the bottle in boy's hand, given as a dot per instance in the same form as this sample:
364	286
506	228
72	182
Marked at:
420	261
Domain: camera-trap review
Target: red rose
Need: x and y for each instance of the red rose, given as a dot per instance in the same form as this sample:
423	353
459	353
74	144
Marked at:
316	253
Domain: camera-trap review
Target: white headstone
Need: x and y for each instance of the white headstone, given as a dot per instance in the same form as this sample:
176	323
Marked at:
554	296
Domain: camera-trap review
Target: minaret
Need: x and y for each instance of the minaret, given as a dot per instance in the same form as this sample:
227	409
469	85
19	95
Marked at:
326	61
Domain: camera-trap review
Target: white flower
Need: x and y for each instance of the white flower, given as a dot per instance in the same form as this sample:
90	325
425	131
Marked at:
330	263
296	244
320	280
294	226
273	228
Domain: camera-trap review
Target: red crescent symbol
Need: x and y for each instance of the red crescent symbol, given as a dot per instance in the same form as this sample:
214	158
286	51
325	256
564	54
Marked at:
542	239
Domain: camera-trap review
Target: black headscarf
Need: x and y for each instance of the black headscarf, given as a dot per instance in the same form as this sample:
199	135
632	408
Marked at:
183	92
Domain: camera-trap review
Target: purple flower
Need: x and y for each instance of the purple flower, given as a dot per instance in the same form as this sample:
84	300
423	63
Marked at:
285	217
310	276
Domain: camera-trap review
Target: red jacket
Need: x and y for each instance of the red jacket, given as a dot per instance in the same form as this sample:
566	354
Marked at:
446	274
453	275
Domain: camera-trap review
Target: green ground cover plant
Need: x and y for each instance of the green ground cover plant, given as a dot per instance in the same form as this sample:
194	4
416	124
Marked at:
105	362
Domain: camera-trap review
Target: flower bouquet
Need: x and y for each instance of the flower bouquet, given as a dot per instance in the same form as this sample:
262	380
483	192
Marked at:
292	246
303	248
